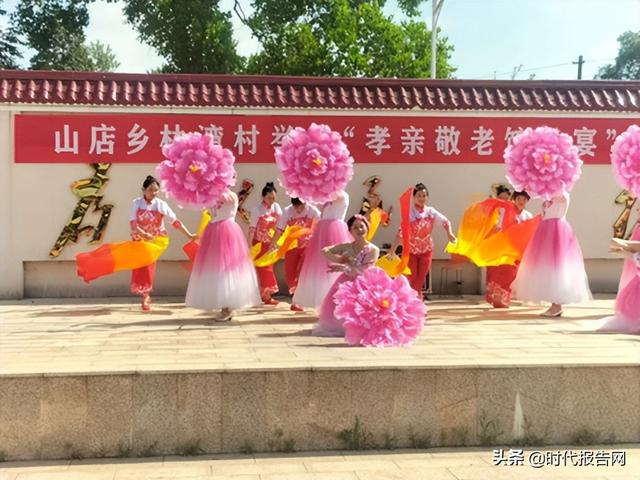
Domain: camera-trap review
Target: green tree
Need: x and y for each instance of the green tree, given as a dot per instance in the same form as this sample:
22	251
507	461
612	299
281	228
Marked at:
627	64
103	58
54	29
192	35
9	53
341	37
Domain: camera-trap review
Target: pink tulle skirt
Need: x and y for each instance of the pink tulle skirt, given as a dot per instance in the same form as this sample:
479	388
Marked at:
315	279
627	306
328	325
552	267
223	275
629	268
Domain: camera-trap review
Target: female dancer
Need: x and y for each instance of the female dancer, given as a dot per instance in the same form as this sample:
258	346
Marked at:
350	259
500	278
627	314
315	278
303	215
223	275
264	218
422	220
150	240
552	267
627	306
628	271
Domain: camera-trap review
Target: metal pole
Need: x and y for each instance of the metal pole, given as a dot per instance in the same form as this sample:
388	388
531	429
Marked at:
436	6
579	63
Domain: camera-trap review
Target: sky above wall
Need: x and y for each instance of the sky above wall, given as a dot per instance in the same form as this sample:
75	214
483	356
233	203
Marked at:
491	37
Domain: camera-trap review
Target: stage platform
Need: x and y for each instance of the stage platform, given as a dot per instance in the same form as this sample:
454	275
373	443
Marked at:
99	377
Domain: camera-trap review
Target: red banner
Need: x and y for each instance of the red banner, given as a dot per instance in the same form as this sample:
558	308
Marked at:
137	138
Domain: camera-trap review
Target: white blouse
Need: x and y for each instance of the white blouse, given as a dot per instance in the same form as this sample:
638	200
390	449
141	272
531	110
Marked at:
556	207
260	210
523	216
310	212
156	205
336	209
226	209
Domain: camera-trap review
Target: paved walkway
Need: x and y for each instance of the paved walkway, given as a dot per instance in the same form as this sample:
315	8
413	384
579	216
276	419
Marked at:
112	335
435	464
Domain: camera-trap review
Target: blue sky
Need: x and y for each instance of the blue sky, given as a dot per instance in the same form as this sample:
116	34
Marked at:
491	37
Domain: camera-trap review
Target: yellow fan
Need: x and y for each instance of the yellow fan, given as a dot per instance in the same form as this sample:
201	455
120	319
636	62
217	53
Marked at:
255	250
287	241
205	219
375	218
392	267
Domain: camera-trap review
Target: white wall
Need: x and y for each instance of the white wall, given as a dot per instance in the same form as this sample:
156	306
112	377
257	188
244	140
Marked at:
36	202
11	276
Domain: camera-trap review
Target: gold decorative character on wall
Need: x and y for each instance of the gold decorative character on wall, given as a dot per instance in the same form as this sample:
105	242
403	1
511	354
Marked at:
88	192
373	200
622	222
243	194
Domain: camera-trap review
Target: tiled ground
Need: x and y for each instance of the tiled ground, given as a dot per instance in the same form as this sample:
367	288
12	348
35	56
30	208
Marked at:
435	464
113	335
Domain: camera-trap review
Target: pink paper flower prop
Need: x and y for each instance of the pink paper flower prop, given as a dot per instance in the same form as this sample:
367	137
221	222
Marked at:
315	164
625	158
544	162
196	171
378	310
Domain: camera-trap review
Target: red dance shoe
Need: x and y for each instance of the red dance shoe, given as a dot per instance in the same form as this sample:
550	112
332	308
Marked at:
146	303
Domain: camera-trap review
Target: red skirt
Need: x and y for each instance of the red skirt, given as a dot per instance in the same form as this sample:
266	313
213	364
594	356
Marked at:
499	280
292	265
142	279
266	278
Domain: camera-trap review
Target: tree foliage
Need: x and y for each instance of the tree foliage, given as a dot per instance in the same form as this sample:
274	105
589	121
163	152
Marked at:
54	29
341	37
102	57
627	63
297	37
192	35
9	53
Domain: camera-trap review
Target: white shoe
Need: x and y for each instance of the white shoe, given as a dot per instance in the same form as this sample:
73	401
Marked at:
226	317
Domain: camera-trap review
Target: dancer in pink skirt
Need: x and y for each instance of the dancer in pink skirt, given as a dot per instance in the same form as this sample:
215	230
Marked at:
349	259
629	269
223	276
552	267
627	306
315	278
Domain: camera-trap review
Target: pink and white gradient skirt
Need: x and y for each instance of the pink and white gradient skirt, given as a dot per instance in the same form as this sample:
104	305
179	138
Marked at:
629	268
315	280
223	275
552	267
627	306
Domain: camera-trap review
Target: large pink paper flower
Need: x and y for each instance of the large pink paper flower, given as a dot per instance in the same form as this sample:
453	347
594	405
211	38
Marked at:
625	158
315	164
544	162
378	310
196	172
